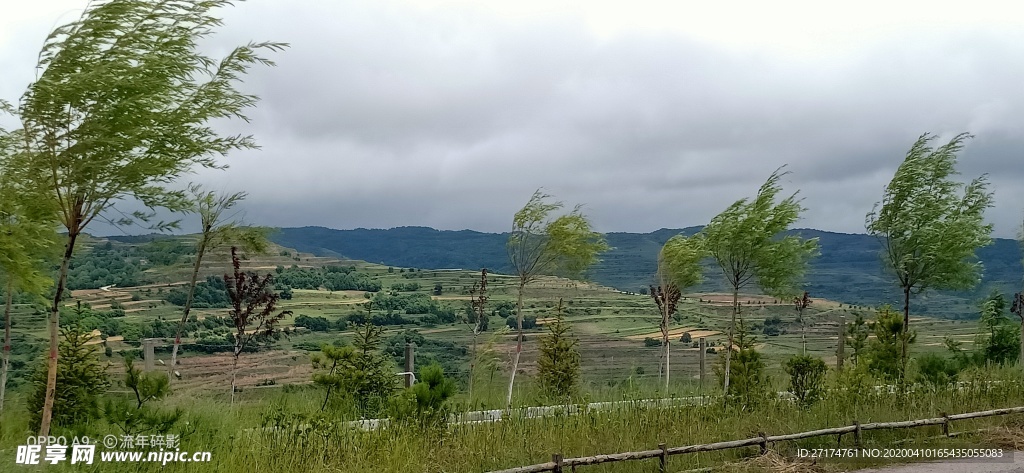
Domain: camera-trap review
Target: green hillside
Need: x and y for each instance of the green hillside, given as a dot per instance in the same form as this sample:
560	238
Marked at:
848	269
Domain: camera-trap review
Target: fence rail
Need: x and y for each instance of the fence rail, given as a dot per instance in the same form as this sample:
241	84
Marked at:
557	463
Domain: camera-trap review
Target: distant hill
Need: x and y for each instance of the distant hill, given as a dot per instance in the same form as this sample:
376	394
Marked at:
848	269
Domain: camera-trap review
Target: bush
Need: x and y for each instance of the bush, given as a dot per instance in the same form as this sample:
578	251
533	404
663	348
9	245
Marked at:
686	338
558	364
748	384
806	378
652	342
315	324
936	370
81	379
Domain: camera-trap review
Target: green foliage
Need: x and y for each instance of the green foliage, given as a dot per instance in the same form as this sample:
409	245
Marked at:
806	378
332	278
936	370
140	416
316	324
885	358
428	398
81	379
929	223
1000	340
540	244
857	337
679	261
748	241
529	322
209	294
773	326
359	371
558	361
749	382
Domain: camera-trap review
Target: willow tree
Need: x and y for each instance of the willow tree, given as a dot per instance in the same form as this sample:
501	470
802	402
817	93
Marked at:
749	244
27	237
122	106
678	268
216	230
929	224
541	244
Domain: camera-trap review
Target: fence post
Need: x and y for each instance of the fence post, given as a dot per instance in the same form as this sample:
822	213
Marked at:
663	458
842	343
557	459
856	434
764	442
945	424
149	353
703	348
410	363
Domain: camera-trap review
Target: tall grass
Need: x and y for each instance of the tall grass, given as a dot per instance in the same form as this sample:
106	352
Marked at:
286	431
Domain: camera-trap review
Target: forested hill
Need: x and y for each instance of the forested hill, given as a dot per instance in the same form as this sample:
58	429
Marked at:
848	269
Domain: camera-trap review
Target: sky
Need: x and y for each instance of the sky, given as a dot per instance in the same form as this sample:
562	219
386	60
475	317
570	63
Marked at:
652	114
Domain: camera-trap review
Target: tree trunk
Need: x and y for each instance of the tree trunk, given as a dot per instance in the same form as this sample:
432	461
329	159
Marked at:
803	333
4	365
1021	359
51	369
234	373
732	329
188	302
906	330
519	345
472	363
664	337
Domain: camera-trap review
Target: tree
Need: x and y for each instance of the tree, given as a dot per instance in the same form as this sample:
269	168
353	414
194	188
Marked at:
1000	345
359	370
1017	307
857	337
123	105
331	359
558	364
884	352
801	304
745	241
252	309
27	242
145	388
678	268
540	245
82	378
478	313
215	230
750	384
806	378
930	225
431	393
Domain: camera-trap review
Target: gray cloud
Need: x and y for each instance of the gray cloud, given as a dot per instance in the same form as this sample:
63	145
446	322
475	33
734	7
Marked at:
383	114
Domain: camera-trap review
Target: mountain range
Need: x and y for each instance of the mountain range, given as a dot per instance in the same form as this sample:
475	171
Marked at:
848	269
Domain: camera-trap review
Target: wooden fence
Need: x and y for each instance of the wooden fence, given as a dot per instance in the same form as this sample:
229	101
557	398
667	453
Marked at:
557	463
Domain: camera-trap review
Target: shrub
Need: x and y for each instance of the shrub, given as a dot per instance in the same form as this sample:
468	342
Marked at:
936	370
652	342
558	365
806	378
81	379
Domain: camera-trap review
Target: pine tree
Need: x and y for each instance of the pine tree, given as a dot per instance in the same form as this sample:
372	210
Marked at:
558	366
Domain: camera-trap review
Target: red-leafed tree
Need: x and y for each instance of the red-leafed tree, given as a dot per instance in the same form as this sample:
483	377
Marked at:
253	303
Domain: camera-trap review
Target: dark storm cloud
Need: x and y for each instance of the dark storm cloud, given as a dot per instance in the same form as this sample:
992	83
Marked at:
383	114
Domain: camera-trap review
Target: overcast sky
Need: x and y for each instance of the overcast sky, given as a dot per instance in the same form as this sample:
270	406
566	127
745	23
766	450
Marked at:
449	113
